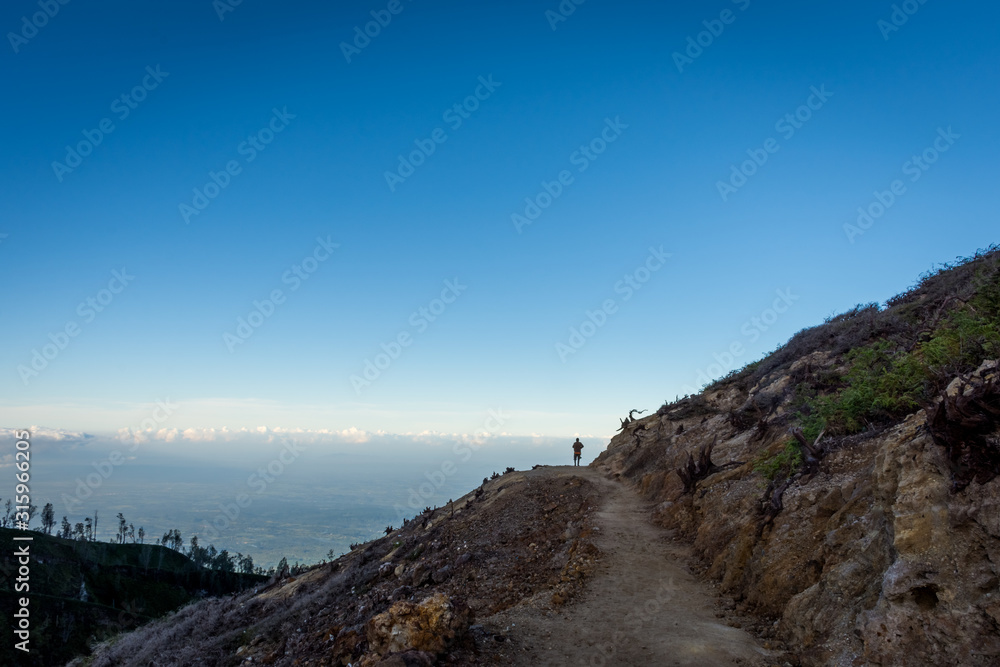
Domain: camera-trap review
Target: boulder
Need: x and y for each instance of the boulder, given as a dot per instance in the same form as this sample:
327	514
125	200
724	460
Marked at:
430	626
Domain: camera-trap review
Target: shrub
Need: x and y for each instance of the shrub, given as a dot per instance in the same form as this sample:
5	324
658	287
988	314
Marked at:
737	376
885	382
782	464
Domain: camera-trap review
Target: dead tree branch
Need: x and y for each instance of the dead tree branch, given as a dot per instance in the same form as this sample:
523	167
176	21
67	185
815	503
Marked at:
772	503
694	471
811	453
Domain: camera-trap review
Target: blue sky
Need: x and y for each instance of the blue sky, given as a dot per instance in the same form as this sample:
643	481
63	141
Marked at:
608	68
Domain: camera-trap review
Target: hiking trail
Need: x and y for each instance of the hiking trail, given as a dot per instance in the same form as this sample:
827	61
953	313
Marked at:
641	606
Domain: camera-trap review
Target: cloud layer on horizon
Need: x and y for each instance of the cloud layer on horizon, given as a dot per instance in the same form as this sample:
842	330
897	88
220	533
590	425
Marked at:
263	435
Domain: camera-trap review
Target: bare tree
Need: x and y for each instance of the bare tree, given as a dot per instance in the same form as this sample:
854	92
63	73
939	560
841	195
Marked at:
172	538
694	471
48	518
32	511
224	562
246	563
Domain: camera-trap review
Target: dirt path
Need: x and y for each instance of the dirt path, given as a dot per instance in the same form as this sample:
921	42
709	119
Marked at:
640	607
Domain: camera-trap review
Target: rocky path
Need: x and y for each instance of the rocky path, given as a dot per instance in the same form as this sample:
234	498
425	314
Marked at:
640	607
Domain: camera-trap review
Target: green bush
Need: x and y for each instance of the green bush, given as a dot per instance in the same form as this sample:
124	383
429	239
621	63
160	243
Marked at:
781	464
885	382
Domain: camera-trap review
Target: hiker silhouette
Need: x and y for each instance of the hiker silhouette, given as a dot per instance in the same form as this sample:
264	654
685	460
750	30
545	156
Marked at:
577	452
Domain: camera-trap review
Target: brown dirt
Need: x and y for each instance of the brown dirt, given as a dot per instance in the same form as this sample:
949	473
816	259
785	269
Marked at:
640	605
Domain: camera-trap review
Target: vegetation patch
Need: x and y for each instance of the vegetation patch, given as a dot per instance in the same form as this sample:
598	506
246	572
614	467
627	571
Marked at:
892	376
782	464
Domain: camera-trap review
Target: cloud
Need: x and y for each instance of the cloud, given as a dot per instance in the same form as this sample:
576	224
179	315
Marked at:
263	435
41	439
257	435
105	418
42	434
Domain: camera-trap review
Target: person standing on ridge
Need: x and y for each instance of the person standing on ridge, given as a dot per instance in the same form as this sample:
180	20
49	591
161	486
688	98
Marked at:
577	452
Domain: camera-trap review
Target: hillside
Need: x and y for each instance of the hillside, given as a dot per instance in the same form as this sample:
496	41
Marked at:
844	488
498	579
86	591
832	504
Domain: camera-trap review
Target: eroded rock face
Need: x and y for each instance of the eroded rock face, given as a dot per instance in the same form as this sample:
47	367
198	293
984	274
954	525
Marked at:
429	626
939	597
875	558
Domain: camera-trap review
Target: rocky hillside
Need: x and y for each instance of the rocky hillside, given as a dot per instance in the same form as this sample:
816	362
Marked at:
409	598
845	487
841	496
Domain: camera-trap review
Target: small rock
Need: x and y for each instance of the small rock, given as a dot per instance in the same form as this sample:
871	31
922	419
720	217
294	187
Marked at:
401	593
421	575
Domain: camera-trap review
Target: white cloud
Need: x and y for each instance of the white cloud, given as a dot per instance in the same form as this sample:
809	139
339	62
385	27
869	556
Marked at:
41	439
263	435
258	434
47	435
185	412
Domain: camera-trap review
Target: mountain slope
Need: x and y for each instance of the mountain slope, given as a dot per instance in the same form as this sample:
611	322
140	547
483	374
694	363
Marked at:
841	493
519	536
551	566
81	591
859	511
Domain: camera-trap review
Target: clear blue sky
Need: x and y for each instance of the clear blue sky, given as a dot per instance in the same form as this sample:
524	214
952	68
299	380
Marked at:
551	91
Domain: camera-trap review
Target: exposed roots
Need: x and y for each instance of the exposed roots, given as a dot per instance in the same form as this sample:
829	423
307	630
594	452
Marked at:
694	471
962	420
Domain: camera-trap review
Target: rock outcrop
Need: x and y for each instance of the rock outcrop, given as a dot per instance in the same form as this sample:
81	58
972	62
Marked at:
874	558
429	627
